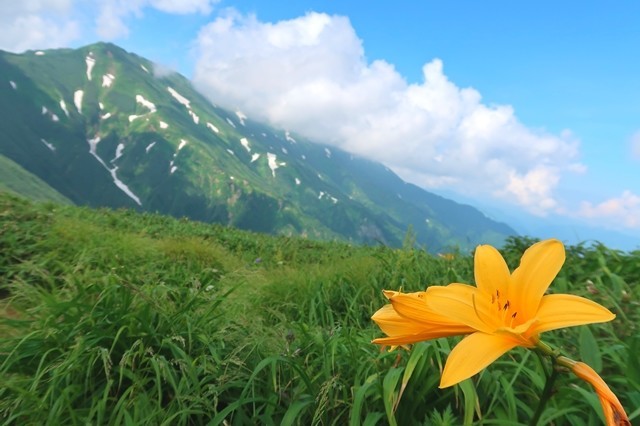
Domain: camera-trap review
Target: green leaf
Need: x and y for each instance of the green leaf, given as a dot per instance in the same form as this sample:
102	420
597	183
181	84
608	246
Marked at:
359	398
295	409
417	354
470	400
589	349
389	391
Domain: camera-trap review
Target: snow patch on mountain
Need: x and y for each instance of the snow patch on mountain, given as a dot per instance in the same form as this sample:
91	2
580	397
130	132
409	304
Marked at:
105	116
142	101
163	125
93	144
48	145
123	186
195	117
272	159
323	194
178	97
284	150
64	107
44	110
213	128
151	145
255	157
241	117
119	150
231	152
327	152
107	80
231	123
173	169
288	137
245	143
297	181
144	68
13	84
39	53
90	64
77	100
183	143
54	117
133	117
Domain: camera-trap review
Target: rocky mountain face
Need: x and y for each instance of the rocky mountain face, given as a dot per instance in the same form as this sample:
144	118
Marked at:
100	128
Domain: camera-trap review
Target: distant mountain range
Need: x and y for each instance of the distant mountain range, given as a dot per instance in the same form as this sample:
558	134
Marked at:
94	126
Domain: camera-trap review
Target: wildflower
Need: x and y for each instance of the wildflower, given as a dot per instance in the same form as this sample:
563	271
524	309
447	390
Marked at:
614	414
447	256
415	323
501	312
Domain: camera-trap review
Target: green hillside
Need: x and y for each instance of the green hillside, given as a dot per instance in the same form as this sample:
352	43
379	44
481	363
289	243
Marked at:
17	180
119	317
98	126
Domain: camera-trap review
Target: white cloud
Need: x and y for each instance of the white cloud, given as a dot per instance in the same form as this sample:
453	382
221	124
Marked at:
635	145
310	74
37	24
41	24
184	6
113	14
623	210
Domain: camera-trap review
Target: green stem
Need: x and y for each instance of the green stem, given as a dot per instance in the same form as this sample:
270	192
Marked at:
546	395
557	360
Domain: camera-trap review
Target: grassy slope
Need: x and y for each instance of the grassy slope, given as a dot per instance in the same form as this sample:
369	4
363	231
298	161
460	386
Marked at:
119	317
17	180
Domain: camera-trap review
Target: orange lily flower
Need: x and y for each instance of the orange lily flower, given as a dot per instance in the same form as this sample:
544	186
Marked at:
420	324
614	413
501	312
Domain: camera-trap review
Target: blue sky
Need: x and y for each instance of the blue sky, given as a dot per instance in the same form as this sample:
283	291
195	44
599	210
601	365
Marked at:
529	110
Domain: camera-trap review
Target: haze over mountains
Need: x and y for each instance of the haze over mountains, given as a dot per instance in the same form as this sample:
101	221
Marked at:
98	127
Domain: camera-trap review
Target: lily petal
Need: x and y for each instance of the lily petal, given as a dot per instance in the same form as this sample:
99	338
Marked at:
473	354
614	413
566	310
491	271
434	332
463	304
539	266
414	307
393	324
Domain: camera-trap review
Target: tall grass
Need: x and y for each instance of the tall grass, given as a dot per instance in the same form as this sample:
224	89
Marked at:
123	318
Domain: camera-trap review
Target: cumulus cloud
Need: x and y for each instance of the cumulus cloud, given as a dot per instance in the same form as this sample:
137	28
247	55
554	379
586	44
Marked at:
624	210
41	24
37	24
113	14
310	75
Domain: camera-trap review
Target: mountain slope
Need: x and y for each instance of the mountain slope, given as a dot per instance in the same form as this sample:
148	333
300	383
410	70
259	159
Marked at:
14	179
100	128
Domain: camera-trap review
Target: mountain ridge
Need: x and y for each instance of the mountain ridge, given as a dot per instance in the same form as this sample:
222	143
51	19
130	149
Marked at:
99	126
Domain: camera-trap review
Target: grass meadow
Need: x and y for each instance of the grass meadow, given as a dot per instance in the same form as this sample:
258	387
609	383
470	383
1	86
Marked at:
115	317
